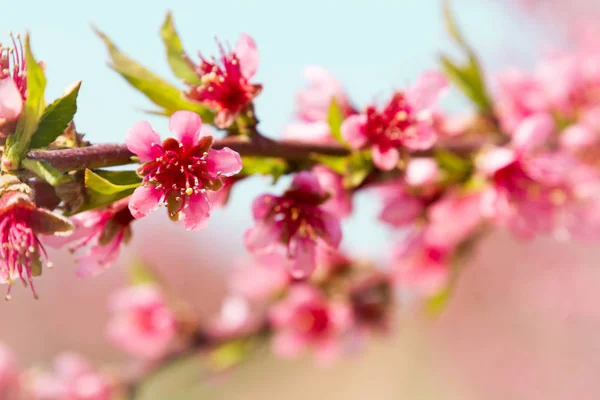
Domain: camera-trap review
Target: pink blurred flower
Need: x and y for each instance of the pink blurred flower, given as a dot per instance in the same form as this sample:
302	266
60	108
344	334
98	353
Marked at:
400	208
142	324
405	122
102	232
73	378
297	221
180	171
21	251
422	172
313	103
13	84
9	374
260	278
226	86
305	319
340	202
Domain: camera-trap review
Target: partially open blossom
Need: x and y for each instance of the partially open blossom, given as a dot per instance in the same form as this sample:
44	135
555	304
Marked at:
9	374
72	378
406	122
225	83
142	324
13	84
306	319
313	104
297	221
181	171
21	222
340	202
102	232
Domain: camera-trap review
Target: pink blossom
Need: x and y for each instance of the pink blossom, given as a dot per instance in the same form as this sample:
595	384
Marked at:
297	221
13	84
400	207
260	278
422	172
225	84
73	378
142	323
305	319
313	103
405	122
340	202
21	252
9	374
235	319
421	266
179	172
102	232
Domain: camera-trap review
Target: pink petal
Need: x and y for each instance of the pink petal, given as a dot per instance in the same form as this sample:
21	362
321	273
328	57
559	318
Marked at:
262	205
327	351
422	138
533	132
224	162
578	138
494	160
385	160
196	212
421	171
333	229
288	345
11	102
262	236
307	182
186	126
247	54
142	140
318	131
144	200
352	131
427	90
401	212
303	261
97	260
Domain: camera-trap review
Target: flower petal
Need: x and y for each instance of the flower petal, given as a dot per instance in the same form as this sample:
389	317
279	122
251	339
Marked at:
247	54
288	345
196	212
533	132
427	90
142	140
332	229
495	159
385	160
402	211
262	205
317	131
421	171
186	126
262	236
307	182
224	162
304	260
144	200
422	138
352	130
11	102
578	138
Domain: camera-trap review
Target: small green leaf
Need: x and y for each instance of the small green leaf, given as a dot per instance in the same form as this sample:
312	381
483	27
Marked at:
45	171
336	164
274	167
157	90
178	60
468	77
358	167
111	182
18	143
335	118
56	118
230	354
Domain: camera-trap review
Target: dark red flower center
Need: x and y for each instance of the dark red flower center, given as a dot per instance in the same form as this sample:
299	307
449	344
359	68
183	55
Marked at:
391	125
312	320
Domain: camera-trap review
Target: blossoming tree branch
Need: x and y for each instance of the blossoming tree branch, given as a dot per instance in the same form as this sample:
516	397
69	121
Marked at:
524	159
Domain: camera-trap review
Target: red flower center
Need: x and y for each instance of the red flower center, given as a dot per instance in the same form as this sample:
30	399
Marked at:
392	124
312	320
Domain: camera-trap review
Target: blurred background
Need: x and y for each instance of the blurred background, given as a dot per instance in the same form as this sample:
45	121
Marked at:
524	321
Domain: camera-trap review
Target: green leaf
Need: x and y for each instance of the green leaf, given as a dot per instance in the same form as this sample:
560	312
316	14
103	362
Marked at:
358	167
159	91
274	167
230	354
336	164
469	76
18	143
45	171
111	182
56	118
178	60
335	118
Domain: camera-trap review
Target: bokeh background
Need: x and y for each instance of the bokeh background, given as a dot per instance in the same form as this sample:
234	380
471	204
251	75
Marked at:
524	321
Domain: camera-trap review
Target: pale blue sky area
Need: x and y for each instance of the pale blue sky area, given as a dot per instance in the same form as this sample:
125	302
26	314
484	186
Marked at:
372	46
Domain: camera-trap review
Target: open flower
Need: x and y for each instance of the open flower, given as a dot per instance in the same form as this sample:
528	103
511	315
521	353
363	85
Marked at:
21	251
142	323
297	221
72	378
405	122
103	232
225	86
306	319
179	172
13	84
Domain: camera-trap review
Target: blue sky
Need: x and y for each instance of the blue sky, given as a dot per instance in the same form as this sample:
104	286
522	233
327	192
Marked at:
372	46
